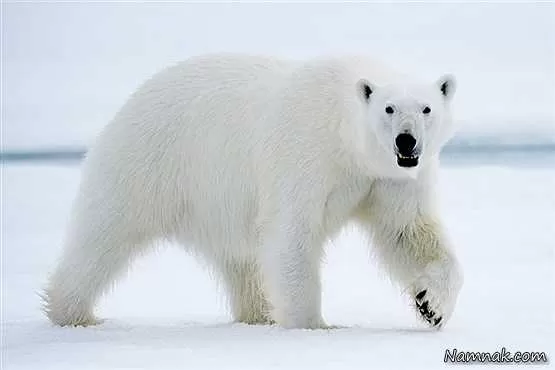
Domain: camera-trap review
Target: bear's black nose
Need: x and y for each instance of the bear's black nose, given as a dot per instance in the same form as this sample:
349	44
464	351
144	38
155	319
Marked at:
405	144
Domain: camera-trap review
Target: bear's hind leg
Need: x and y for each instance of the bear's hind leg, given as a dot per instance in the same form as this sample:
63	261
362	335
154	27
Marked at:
244	289
90	264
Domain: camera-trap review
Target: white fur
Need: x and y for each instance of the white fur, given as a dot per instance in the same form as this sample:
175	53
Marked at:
252	163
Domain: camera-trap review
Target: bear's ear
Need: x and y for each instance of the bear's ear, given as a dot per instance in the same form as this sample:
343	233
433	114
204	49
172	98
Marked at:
447	86
365	90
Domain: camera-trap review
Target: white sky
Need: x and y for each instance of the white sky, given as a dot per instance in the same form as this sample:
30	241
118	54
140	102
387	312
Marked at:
68	67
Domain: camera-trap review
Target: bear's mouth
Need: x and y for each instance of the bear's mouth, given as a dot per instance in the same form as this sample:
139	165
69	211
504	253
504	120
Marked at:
407	161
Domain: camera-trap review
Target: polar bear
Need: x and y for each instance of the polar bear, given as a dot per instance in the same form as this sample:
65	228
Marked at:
252	163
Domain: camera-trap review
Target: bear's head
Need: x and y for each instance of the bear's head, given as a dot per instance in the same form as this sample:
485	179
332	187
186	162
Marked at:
410	122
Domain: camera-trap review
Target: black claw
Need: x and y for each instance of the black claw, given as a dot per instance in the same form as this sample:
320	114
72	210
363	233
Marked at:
424	307
431	314
437	321
421	295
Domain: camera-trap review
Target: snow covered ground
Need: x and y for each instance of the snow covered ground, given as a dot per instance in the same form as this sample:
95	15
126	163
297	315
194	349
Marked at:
502	218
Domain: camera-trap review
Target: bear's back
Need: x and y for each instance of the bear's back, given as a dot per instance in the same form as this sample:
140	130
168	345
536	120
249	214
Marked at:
215	73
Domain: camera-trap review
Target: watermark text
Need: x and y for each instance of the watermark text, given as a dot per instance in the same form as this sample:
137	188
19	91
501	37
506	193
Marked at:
503	356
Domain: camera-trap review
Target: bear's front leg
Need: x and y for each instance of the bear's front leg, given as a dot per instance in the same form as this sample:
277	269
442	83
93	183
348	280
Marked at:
290	264
437	279
409	239
421	257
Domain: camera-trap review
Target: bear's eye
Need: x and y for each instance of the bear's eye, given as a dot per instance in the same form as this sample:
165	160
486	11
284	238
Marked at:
426	110
389	109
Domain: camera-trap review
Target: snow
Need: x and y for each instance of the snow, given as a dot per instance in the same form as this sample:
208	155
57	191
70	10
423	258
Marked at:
170	314
68	67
